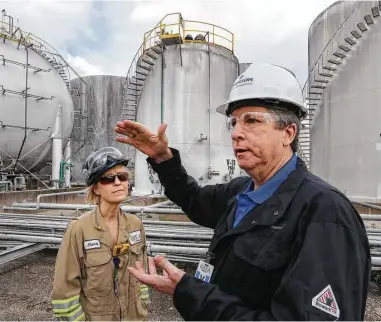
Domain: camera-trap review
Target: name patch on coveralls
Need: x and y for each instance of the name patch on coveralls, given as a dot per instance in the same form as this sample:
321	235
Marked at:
135	237
204	271
92	244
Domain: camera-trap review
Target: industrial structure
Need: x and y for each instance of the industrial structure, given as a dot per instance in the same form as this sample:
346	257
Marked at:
36	115
342	93
182	71
98	109
180	74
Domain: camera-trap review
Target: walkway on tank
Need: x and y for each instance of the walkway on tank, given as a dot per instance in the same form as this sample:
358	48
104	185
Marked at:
171	30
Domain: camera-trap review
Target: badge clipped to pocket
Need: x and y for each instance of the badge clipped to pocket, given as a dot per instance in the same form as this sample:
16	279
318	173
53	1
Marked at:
120	249
204	271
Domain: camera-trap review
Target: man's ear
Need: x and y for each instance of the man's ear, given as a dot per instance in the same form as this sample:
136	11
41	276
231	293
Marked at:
289	134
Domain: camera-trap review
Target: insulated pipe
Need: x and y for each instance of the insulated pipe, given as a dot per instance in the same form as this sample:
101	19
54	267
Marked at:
132	209
178	250
57	148
159	204
67	173
32	239
44	195
365	204
371	217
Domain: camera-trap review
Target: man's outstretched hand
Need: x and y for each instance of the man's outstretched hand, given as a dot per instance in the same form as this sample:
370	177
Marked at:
165	283
154	145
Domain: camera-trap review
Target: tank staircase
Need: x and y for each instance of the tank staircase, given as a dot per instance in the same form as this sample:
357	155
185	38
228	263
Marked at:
332	59
153	46
31	42
137	75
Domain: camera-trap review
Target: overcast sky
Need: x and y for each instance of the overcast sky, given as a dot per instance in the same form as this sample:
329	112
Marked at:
101	37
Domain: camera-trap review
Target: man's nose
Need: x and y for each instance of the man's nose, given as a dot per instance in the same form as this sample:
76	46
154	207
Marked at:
238	132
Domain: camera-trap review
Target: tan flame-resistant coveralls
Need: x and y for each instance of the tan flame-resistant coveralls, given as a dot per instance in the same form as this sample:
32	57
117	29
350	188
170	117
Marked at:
83	287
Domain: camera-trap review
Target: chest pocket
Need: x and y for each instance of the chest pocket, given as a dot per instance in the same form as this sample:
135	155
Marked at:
135	254
97	280
265	249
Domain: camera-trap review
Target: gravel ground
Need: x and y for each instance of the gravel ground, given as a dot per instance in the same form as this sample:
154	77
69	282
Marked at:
25	286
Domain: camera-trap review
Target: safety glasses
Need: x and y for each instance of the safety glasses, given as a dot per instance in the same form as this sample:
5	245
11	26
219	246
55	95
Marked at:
248	120
122	176
98	159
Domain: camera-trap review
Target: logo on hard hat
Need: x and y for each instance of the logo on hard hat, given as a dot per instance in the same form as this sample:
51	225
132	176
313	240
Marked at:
243	81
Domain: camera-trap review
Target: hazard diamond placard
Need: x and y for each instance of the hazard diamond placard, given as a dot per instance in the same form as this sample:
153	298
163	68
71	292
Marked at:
326	302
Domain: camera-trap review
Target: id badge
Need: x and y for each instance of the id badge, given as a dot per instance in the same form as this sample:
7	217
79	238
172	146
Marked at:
204	271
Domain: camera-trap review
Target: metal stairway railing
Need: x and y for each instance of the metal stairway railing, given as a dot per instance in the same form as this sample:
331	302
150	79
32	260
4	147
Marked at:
328	64
10	32
141	65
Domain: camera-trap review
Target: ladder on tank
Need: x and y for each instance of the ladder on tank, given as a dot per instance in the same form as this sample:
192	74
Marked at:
346	38
136	78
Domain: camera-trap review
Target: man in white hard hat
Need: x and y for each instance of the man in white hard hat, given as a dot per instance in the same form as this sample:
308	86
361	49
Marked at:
286	245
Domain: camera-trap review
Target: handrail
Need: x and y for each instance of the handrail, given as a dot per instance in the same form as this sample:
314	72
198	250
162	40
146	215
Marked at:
329	42
155	38
42	46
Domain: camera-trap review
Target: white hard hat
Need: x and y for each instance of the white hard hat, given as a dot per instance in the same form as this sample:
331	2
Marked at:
266	85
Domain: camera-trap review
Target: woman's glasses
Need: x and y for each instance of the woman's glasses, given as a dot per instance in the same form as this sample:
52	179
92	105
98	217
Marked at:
123	176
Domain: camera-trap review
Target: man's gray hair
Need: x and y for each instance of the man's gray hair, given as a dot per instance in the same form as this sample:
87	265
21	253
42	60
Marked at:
285	118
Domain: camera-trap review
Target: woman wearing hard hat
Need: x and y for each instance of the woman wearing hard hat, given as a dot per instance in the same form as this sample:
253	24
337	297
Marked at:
286	245
91	280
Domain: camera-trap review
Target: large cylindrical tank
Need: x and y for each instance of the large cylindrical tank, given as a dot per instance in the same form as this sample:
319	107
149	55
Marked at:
46	91
184	91
98	108
346	132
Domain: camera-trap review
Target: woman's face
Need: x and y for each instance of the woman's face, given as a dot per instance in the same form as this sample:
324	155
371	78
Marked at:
115	191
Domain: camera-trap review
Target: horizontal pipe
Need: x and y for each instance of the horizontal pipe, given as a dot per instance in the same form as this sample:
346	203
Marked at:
366	204
152	248
371	217
31	239
131	209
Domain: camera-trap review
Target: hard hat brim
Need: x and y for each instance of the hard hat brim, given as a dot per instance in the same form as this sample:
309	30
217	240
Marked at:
222	108
266	102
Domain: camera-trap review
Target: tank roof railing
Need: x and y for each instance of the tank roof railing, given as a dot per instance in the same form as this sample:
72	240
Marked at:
41	47
155	38
219	36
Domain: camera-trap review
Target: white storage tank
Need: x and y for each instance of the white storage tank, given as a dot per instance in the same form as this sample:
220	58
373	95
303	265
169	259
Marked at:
345	42
181	85
33	84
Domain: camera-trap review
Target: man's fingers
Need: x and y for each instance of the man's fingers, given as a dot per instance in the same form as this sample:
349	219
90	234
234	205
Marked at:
146	279
129	141
140	267
151	266
129	132
161	129
164	263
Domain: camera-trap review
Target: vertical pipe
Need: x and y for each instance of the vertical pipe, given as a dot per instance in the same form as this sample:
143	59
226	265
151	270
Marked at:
68	166
162	88
209	111
57	148
25	104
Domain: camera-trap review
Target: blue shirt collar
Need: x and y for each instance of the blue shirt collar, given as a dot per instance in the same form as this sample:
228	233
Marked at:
267	190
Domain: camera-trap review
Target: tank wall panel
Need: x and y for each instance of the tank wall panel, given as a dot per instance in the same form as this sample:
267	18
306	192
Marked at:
101	109
41	114
346	137
187	98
